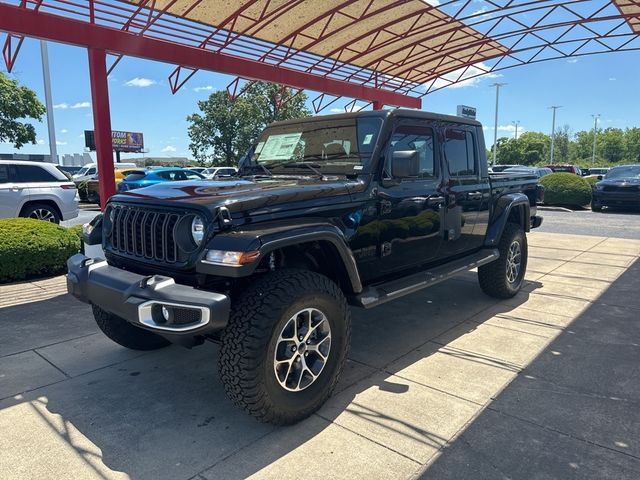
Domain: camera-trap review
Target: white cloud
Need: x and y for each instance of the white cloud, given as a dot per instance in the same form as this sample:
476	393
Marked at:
40	141
337	110
612	79
573	60
64	130
60	143
511	128
169	148
81	135
140	82
65	105
204	88
470	78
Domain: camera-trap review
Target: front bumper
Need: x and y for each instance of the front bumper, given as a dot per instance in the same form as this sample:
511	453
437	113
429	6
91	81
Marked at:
616	198
139	300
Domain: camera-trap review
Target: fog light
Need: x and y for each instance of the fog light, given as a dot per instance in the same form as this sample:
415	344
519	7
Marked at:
224	257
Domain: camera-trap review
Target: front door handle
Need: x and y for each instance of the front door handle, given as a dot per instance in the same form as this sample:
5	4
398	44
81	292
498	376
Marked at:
437	200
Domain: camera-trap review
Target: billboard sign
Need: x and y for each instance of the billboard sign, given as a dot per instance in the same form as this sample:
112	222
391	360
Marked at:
120	141
465	111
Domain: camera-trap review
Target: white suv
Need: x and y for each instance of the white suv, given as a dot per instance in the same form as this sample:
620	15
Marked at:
218	172
36	190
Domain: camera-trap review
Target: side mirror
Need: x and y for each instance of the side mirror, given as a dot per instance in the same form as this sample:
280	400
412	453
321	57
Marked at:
405	164
600	177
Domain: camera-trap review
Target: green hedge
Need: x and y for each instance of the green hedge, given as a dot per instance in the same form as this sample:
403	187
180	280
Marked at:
30	248
592	180
566	189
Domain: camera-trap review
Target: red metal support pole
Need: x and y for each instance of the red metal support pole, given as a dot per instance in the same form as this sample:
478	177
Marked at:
102	123
377	105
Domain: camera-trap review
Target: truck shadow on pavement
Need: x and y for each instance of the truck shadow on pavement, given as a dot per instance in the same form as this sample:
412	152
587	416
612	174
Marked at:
164	414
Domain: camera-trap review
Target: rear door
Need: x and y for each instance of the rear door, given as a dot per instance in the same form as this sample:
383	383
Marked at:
12	194
43	184
467	190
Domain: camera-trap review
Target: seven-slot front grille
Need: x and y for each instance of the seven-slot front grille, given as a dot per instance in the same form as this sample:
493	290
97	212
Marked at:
144	233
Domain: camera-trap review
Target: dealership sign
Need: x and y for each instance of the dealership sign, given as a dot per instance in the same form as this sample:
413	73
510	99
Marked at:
465	111
120	141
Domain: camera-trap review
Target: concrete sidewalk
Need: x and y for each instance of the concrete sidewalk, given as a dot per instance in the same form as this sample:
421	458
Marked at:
446	383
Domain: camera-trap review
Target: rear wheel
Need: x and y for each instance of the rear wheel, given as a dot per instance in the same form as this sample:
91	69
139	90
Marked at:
125	334
285	345
41	211
504	277
596	207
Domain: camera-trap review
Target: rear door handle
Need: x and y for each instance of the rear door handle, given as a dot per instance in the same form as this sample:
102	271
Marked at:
438	200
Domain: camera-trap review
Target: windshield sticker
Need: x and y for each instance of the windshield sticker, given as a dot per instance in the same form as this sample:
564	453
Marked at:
280	147
367	139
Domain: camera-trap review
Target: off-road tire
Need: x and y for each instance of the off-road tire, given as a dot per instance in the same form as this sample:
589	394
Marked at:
125	334
596	207
258	316
493	276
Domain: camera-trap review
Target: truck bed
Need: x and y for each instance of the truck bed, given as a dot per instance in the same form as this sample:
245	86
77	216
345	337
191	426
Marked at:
504	183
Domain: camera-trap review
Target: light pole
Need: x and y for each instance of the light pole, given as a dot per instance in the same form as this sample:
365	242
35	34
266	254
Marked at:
595	133
495	125
48	102
516	123
553	129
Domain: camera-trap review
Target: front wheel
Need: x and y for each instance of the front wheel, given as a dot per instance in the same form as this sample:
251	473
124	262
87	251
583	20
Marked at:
285	345
504	277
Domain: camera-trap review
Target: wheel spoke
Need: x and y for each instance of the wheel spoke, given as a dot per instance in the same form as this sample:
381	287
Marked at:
306	334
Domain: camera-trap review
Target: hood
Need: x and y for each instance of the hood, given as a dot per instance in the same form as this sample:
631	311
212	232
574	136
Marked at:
619	183
268	194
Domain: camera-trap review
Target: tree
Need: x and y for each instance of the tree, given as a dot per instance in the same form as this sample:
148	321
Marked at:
225	129
632	144
17	102
613	147
561	142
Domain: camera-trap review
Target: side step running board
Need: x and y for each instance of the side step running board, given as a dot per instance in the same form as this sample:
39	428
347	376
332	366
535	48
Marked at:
385	292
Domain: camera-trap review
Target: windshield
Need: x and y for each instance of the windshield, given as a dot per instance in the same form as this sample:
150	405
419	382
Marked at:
337	146
83	171
630	172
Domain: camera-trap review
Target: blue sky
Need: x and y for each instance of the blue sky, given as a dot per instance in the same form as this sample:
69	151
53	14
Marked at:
142	101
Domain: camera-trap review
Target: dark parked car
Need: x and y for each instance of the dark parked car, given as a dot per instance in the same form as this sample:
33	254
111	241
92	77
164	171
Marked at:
359	209
502	168
619	188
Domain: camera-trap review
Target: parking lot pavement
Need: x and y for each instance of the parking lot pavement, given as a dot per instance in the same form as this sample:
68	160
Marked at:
608	223
446	383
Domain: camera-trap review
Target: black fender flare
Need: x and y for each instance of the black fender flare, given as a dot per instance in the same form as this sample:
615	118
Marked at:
504	205
268	238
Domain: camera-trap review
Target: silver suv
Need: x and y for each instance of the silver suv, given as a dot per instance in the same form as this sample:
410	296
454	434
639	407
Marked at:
36	190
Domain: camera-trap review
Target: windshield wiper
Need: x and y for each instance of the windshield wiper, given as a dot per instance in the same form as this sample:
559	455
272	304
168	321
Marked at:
294	164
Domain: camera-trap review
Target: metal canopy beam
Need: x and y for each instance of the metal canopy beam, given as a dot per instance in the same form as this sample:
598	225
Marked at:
59	29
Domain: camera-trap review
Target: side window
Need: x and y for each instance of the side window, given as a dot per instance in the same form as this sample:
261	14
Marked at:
4	174
33	173
421	139
459	152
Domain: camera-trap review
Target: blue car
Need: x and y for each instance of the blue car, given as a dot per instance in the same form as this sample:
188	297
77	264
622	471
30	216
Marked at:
146	178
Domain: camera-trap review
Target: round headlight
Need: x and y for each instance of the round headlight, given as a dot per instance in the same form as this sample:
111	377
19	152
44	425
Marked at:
197	230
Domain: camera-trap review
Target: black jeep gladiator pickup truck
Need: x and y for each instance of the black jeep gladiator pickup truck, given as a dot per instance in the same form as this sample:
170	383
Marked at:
357	209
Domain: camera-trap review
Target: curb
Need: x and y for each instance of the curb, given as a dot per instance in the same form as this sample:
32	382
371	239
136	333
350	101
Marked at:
554	209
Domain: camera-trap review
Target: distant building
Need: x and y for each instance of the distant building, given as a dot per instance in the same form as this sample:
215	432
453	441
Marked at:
68	159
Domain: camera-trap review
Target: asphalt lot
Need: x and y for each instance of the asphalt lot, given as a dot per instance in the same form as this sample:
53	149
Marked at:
443	384
608	223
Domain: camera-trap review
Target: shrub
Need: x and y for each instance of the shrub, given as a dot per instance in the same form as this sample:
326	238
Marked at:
31	247
566	189
592	180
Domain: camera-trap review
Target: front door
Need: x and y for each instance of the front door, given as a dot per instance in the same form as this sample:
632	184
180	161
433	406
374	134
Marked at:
409	210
